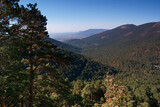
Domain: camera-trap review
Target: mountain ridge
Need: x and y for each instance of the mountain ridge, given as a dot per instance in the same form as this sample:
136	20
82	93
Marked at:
140	44
117	32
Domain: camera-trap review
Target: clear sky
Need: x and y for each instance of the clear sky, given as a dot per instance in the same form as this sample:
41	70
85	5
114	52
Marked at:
77	15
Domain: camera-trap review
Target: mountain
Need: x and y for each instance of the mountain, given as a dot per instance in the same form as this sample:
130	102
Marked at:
102	38
133	50
87	33
76	35
125	47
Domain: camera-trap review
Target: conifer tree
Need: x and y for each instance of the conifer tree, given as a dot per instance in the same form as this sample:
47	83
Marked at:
27	33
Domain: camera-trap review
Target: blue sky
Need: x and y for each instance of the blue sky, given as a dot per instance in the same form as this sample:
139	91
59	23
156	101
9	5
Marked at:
77	15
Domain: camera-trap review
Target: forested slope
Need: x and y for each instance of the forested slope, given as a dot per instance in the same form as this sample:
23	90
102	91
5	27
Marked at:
127	45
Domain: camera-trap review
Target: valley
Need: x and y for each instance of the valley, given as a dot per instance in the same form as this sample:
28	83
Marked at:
112	64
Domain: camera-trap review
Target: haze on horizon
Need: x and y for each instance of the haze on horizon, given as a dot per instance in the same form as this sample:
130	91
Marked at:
78	15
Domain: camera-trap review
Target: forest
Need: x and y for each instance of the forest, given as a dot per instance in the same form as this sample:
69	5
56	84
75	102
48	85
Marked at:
35	72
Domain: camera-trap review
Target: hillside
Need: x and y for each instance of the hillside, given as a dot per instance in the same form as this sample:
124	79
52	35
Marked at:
125	47
83	68
134	50
64	45
79	67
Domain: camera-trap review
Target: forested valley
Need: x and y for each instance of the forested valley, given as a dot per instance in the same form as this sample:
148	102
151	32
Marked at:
37	71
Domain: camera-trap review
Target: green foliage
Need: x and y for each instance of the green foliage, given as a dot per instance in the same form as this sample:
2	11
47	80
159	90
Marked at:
88	93
13	79
135	86
82	68
143	85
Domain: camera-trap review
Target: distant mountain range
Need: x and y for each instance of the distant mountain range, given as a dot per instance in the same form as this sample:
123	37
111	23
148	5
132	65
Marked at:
76	35
124	46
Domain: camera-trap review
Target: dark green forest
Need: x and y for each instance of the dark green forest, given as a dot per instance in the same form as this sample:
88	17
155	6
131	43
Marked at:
133	51
37	71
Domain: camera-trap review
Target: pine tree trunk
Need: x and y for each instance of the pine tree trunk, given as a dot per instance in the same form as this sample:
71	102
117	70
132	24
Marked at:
22	102
2	104
31	80
31	91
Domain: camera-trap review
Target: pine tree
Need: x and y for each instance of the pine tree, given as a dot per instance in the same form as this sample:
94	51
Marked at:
39	55
27	35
